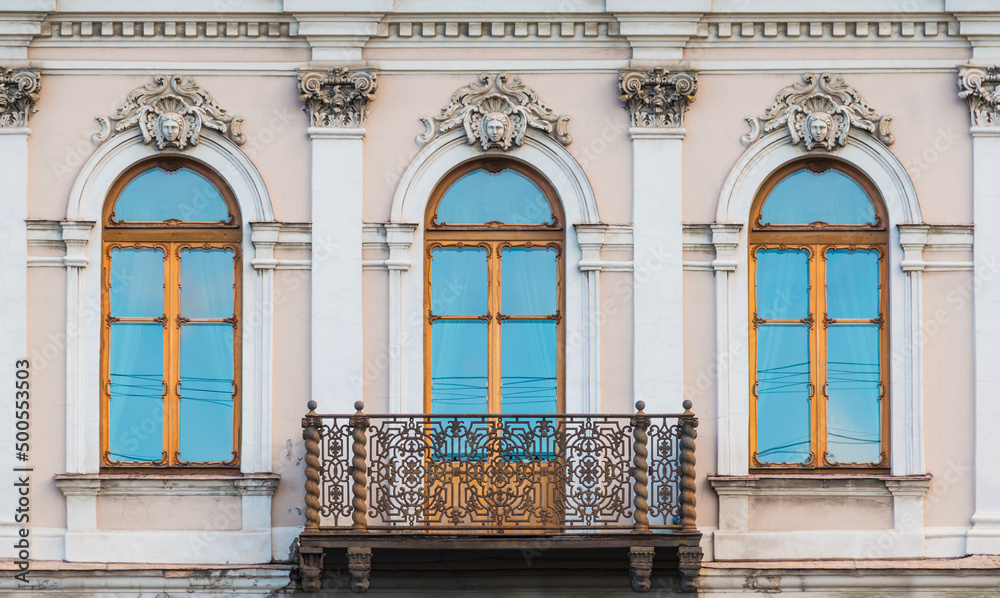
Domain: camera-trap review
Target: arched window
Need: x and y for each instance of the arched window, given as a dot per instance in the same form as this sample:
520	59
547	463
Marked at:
493	336
170	348
819	320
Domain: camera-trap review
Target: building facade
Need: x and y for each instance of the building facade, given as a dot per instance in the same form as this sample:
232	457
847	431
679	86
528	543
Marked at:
610	296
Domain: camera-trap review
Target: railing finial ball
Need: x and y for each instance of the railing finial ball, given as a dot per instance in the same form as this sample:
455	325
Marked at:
687	404
640	405
359	406
311	405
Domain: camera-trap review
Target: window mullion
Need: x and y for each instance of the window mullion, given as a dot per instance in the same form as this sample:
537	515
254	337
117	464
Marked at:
493	306
172	365
820	352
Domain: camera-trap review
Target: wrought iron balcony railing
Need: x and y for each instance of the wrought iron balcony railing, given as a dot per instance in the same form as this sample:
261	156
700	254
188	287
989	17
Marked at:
371	475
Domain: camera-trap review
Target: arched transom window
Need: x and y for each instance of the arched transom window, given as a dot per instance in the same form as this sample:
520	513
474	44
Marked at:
819	322
170	348
494	292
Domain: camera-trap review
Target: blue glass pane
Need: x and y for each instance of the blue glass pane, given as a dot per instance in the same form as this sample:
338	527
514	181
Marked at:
207	283
853	409
136	278
782	284
157	195
459	371
528	366
508	197
135	408
804	197
783	412
529	281
206	402
458	281
852	283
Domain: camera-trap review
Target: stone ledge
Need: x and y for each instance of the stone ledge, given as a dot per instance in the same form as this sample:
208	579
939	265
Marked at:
134	484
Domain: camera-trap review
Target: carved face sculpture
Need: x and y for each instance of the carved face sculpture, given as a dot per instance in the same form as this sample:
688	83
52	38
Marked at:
495	125
820	125
170	126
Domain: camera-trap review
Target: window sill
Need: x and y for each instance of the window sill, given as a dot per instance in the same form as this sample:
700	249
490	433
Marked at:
841	484
135	484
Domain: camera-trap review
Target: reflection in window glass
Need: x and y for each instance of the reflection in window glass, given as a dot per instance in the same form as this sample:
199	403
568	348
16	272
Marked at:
782	284
804	197
207	282
508	197
529	281
853	410
459	281
136	280
158	195
528	368
783	407
459	372
135	406
206	392
852	283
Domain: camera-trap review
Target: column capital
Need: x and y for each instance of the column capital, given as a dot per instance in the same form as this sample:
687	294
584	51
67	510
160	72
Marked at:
978	86
657	98
19	88
337	98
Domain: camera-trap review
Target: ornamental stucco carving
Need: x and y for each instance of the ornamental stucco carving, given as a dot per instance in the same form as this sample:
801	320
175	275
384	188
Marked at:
979	87
170	112
338	97
19	89
496	113
658	97
819	112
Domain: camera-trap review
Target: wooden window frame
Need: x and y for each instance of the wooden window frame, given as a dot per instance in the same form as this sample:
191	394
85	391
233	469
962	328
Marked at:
818	239
172	237
494	237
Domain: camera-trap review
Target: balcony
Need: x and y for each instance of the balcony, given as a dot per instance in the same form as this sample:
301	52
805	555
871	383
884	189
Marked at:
598	484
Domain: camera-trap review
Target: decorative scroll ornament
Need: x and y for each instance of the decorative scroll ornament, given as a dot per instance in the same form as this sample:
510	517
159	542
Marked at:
657	98
18	94
979	87
819	112
496	112
171	112
338	97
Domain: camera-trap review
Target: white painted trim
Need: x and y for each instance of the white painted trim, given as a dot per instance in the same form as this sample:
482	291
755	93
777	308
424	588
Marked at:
83	328
409	204
732	298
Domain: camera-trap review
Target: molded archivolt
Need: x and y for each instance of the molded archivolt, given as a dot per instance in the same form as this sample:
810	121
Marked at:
553	162
886	172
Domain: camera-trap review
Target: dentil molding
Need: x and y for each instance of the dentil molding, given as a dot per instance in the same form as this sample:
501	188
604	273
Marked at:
978	86
337	97
496	112
170	112
819	112
658	97
19	89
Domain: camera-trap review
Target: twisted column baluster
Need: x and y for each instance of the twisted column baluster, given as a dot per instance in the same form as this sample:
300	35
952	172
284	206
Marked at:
311	424
359	467
640	479
689	431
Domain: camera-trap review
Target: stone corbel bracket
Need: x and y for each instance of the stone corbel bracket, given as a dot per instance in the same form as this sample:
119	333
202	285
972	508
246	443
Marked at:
658	97
496	113
819	112
979	87
19	89
337	97
170	112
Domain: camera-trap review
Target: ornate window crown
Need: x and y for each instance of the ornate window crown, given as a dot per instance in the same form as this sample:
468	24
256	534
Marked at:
819	112
338	97
18	95
171	112
496	112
